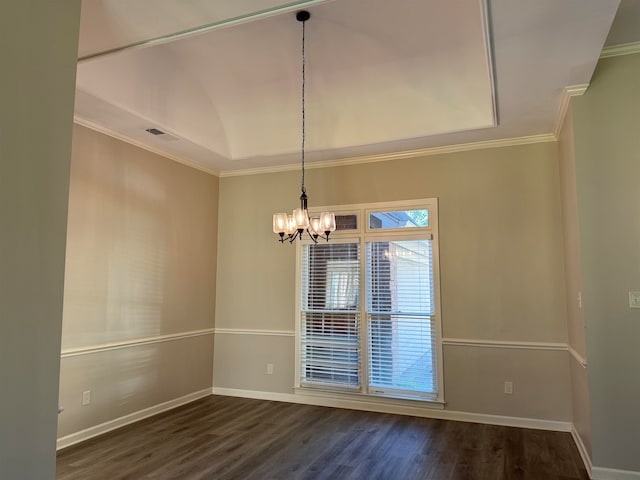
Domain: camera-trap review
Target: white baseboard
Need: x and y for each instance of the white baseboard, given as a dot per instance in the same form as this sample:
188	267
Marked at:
599	473
91	432
379	406
582	450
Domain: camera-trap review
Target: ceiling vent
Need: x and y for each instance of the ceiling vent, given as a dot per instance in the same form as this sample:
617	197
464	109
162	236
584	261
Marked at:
160	134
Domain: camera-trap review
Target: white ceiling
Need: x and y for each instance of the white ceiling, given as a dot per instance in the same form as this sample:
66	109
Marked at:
382	76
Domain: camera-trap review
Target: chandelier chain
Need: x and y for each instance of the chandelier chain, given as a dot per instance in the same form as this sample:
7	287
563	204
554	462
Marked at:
303	106
292	227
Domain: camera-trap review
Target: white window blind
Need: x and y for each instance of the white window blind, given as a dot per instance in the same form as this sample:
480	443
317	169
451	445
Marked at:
402	348
329	330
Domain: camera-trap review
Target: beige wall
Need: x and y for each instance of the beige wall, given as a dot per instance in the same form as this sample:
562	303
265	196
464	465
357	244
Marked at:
249	356
500	256
141	253
573	274
474	382
605	122
38	51
129	380
573	281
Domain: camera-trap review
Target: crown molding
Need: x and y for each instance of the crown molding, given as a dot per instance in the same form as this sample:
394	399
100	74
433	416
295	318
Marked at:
123	138
463	147
622	49
567	93
423	152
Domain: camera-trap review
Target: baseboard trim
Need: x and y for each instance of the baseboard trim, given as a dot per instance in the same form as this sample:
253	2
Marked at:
91	432
381	407
582	450
598	473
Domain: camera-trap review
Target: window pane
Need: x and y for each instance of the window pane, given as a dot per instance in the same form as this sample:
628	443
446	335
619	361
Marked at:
330	350
399	219
400	311
346	222
400	277
342	284
402	354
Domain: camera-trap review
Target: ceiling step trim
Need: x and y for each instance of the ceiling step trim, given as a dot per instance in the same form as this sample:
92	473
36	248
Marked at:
171	37
463	147
567	93
622	49
123	138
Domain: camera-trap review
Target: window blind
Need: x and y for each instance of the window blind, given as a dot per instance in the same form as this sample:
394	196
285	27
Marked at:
401	315
329	330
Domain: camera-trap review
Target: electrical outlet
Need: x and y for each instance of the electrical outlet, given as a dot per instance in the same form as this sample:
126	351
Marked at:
508	387
86	397
269	368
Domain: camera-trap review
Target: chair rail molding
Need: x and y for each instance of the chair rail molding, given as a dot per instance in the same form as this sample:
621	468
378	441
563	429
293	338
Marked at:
134	342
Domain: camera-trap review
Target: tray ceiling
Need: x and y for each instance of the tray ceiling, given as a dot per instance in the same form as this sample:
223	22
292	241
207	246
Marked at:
381	76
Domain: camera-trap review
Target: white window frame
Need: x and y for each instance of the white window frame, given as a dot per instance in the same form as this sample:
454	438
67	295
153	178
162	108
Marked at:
363	234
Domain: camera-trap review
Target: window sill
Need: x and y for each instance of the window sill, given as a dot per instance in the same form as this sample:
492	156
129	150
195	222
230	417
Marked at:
373	402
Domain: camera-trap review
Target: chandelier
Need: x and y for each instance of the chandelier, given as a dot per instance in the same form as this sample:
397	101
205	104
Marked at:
292	227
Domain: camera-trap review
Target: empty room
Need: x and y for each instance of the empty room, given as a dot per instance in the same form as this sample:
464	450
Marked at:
322	239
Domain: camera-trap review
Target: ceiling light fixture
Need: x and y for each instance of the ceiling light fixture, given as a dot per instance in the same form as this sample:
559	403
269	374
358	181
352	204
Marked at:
292	227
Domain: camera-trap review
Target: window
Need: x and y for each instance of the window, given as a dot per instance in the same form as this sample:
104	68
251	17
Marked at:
330	314
399	219
368	306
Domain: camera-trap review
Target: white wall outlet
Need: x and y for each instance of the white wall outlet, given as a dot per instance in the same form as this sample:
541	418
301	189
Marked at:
634	299
508	387
86	397
269	368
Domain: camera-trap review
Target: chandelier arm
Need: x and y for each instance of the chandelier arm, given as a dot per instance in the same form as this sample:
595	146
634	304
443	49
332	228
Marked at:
295	235
312	236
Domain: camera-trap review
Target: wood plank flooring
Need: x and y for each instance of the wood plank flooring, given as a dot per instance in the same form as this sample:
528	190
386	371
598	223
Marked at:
225	438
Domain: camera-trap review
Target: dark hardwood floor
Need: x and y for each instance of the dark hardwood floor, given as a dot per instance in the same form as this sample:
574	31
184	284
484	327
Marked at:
234	438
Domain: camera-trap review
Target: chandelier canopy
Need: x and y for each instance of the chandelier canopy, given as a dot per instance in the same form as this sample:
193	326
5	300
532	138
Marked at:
292	227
